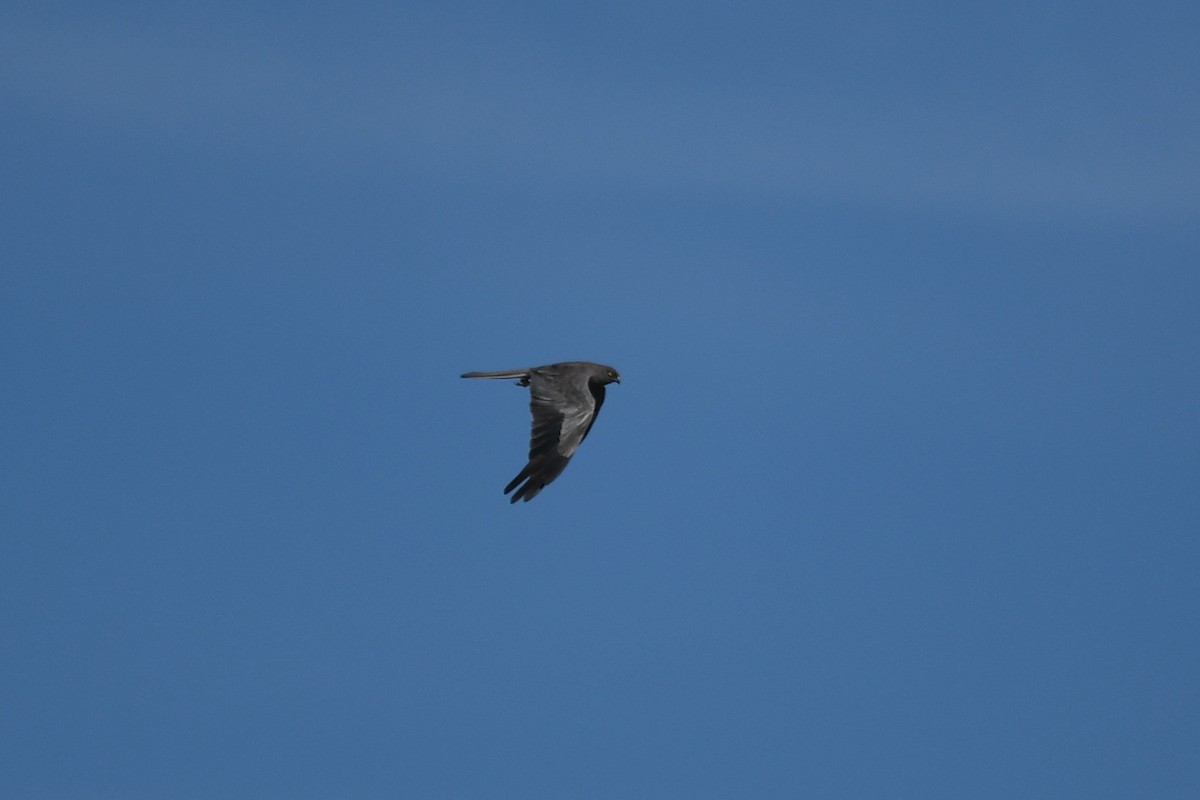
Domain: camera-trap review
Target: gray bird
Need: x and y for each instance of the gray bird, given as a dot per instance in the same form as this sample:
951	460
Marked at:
565	399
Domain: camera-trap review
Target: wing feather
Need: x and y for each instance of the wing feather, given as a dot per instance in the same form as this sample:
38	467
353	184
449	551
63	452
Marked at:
563	406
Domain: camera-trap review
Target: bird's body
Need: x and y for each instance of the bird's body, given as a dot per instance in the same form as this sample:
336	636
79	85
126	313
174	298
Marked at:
564	400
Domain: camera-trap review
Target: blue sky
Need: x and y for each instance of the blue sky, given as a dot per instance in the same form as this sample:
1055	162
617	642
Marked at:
898	496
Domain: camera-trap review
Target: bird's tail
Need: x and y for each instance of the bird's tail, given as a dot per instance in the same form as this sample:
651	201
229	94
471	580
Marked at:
512	373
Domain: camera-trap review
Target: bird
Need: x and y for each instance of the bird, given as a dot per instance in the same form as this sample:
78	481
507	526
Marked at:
565	399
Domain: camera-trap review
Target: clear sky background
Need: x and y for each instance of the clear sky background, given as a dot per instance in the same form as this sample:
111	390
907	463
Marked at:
899	496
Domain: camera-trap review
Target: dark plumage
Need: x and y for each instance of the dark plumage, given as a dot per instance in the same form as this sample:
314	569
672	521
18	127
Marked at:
565	400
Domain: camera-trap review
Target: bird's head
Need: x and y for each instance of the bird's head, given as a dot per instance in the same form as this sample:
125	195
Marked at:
611	375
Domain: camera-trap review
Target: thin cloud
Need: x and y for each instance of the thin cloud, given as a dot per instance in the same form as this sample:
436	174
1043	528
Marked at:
454	115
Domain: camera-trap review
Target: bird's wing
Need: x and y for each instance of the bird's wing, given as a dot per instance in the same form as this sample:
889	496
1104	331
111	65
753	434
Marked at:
563	407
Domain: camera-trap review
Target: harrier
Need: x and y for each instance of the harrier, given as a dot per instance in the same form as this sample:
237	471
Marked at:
565	399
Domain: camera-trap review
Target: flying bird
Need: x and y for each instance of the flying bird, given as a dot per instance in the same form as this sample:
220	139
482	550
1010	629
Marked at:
565	400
